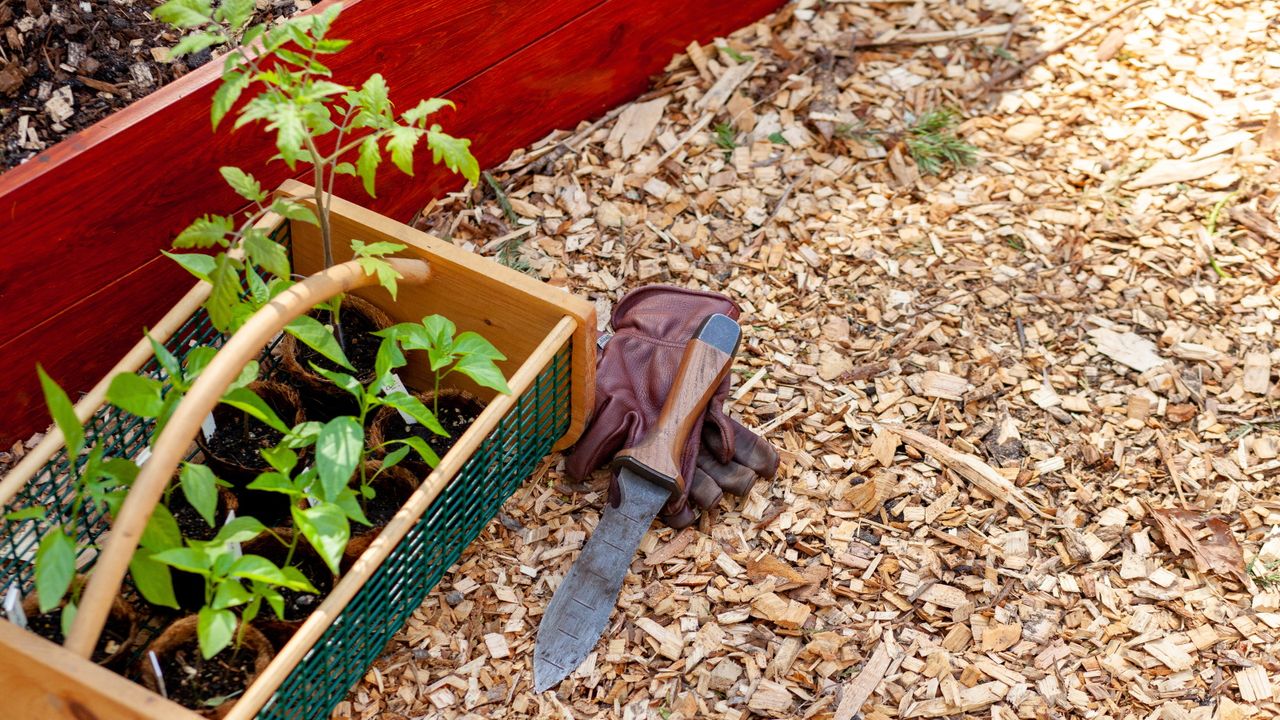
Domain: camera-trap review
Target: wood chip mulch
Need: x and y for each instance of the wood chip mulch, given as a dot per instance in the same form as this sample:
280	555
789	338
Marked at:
1027	407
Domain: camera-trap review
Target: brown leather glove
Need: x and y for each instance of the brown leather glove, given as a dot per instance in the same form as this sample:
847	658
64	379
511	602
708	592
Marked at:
634	373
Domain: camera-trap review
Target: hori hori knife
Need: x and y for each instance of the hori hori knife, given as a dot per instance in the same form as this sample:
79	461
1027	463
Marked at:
647	473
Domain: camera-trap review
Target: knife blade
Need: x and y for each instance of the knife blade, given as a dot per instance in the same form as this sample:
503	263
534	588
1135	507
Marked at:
647	474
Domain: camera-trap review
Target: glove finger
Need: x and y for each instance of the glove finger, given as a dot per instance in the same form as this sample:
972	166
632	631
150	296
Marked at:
609	430
730	477
704	490
681	518
749	449
715	422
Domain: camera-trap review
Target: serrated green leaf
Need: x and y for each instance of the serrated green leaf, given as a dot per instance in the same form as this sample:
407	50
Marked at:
195	42
243	183
266	253
454	152
214	630
152	579
197	264
236	13
387	275
291	210
419	112
184	13
338	453
291	131
205	232
224	297
224	98
326	528
400	144
200	488
55	568
367	161
136	394
315	335
375	249
62	412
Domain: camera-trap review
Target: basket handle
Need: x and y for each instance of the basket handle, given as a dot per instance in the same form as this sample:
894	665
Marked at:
171	446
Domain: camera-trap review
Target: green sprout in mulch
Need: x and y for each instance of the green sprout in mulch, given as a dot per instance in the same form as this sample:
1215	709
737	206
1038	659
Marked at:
726	137
1266	575
933	143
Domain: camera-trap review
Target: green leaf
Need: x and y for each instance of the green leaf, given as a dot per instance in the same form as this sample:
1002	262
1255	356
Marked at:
394	457
375	249
484	372
342	380
188	559
400	144
291	131
419	112
171	364
200	488
455	152
225	295
295	580
30	513
195	42
328	47
236	12
349	502
247	375
214	630
274	482
68	617
197	264
247	401
373	95
338	453
389	358
230	594
161	532
256	567
243	183
311	332
62	412
266	253
241	530
198	358
440	330
414	408
387	275
325	526
205	232
473	343
367	163
291	210
422	448
55	567
184	13
275	600
152	579
136	394
224	98
281	458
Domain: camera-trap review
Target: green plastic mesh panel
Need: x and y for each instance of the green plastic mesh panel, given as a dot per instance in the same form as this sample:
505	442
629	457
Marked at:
361	632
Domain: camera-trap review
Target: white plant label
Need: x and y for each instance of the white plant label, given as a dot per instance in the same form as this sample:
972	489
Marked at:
393	384
13	607
143	455
155	667
208	427
233	546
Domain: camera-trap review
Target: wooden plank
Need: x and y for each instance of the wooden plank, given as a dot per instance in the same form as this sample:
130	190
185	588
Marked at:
42	680
512	310
599	60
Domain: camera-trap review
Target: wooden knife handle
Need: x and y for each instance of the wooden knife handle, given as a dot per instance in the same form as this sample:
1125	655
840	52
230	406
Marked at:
707	359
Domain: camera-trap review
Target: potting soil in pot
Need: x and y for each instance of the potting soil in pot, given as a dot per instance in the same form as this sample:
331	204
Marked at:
456	413
194	682
360	344
242	441
114	634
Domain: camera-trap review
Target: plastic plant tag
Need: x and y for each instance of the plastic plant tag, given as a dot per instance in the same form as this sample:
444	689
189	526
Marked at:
393	384
208	427
143	455
233	546
155	667
13	607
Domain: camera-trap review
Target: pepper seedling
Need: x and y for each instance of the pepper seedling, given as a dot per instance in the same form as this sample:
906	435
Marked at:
469	353
225	577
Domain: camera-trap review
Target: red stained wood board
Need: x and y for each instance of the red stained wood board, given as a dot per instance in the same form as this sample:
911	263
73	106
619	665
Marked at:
83	223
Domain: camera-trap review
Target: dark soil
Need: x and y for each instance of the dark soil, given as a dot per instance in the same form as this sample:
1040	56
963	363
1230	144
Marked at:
361	345
455	414
114	634
242	438
190	522
66	65
297	605
196	683
386	503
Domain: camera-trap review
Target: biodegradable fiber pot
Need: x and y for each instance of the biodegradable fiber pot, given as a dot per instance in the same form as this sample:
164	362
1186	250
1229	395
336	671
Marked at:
457	410
192	681
297	605
360	319
232	451
391	490
117	637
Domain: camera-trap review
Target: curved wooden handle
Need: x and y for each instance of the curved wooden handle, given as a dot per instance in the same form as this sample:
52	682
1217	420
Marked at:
171	446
